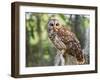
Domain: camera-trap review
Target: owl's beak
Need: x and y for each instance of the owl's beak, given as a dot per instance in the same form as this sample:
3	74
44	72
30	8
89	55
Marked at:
56	28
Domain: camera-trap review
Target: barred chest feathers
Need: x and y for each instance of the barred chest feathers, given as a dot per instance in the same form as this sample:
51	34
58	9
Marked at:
56	39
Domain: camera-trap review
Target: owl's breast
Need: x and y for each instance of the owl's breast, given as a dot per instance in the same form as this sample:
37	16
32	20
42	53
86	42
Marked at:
56	40
52	34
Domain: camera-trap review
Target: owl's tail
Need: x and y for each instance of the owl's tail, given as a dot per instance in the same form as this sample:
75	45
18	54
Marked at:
80	58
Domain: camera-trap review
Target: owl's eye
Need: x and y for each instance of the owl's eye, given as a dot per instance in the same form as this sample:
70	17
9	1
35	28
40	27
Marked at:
51	24
57	24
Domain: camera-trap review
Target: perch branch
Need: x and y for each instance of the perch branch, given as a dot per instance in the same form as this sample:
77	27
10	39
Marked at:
59	59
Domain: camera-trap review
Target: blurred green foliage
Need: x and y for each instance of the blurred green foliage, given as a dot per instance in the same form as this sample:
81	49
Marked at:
39	49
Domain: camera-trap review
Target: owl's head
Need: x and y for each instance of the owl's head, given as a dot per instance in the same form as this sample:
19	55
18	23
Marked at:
53	23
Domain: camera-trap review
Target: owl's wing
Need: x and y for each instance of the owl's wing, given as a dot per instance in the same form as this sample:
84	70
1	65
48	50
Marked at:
72	44
66	35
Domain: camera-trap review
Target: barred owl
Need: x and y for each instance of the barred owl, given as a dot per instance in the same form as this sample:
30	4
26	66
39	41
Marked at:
65	41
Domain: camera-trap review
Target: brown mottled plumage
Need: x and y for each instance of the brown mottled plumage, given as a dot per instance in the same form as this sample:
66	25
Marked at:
65	40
